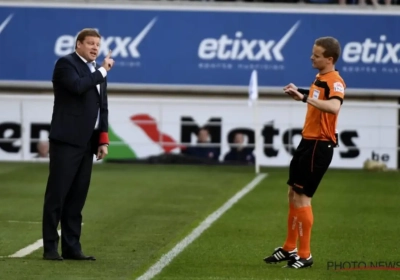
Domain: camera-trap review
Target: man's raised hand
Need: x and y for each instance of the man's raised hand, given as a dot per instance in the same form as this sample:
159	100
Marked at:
108	62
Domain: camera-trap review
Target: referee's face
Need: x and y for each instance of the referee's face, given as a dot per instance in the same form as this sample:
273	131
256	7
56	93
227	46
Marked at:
318	60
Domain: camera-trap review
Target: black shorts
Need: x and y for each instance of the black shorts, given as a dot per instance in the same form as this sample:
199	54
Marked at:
309	164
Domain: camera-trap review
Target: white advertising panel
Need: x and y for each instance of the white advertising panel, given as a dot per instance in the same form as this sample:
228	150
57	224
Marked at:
10	130
142	127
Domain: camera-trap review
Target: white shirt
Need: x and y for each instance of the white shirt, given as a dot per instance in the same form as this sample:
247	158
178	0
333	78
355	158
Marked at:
92	67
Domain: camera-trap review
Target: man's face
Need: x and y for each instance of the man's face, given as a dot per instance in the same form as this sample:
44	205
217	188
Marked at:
318	60
203	136
239	138
89	48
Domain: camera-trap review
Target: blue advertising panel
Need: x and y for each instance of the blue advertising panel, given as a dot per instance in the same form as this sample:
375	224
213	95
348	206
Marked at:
203	48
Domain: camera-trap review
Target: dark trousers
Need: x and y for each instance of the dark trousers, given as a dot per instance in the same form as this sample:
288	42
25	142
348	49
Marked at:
66	191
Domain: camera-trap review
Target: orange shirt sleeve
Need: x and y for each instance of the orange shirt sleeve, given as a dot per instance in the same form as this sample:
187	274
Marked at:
336	89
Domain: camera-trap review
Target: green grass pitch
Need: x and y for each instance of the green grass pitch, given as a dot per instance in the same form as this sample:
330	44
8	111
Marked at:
136	213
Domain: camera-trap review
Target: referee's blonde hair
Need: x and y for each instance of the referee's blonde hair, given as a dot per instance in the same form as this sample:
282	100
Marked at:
331	46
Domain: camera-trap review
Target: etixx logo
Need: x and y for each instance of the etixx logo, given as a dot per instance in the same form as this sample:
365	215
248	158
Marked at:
241	52
372	55
124	49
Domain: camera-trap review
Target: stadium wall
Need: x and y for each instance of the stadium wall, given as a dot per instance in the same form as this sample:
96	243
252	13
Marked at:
202	48
180	66
398	136
142	127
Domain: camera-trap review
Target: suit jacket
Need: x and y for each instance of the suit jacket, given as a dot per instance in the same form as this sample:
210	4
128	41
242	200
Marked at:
76	103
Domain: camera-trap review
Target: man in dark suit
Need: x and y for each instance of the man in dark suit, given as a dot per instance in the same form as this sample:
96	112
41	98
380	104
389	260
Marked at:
239	153
203	149
79	130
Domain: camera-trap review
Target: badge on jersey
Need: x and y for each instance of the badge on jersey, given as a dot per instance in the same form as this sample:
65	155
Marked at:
315	94
338	87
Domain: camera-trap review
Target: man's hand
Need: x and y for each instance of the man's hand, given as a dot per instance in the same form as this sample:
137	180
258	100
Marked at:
294	94
289	88
108	62
292	86
102	151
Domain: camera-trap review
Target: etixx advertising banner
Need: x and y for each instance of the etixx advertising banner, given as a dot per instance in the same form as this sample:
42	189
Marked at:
189	48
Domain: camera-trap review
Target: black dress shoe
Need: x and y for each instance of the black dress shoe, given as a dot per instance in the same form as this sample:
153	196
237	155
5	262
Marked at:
79	256
52	256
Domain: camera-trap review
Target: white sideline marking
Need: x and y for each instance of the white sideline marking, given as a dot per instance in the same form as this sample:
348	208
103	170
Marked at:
29	249
168	257
23	222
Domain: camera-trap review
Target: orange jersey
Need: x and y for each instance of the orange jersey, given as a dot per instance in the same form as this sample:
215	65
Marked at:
320	125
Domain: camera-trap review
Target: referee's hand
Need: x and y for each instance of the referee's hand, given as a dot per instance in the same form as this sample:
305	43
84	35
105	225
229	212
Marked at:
289	86
294	94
